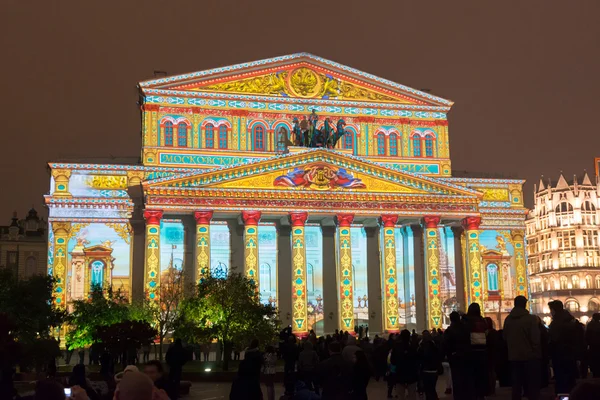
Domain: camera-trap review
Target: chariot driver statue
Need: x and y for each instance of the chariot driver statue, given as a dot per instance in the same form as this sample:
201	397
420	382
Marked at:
306	134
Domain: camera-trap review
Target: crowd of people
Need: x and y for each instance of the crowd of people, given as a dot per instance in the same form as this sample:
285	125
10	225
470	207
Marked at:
474	356
524	355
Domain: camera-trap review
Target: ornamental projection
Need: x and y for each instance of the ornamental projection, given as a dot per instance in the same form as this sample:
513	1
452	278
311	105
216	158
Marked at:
329	188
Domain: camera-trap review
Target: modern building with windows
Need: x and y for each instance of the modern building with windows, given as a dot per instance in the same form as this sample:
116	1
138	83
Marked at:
373	230
24	245
563	248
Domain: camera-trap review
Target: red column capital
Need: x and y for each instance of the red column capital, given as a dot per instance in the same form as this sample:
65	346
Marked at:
471	223
153	217
203	217
298	218
344	220
389	220
251	217
431	221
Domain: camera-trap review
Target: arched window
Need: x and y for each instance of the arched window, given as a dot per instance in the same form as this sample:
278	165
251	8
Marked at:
563	282
97	273
259	137
575	281
393	144
181	134
588	206
492	277
416	145
588	282
593	305
554	284
265	276
168	133
563	207
380	144
222	137
310	279
546	285
429	143
349	141
30	266
597	279
209	136
572	305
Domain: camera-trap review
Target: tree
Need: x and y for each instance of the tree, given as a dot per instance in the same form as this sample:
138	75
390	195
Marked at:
227	309
121	337
100	309
163	314
30	316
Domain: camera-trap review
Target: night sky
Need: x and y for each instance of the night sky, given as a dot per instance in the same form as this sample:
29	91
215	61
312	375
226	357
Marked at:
524	75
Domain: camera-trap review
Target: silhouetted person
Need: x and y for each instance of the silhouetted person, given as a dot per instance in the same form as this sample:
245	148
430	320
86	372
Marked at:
154	370
406	361
361	373
289	352
585	391
430	358
563	347
335	375
48	390
254	358
246	386
522	335
78	378
592	338
307	364
457	345
176	358
477	356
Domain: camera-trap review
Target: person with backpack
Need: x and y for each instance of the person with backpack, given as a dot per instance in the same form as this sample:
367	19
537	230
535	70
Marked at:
477	356
405	359
564	348
335	375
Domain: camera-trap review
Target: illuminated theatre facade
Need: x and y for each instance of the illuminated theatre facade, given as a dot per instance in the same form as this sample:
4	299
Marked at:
374	231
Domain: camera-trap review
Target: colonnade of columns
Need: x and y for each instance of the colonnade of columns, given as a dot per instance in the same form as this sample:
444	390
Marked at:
338	279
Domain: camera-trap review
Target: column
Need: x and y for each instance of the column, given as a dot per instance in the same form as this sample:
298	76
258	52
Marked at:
251	264
420	288
406	231
236	245
457	231
137	266
432	247
61	232
299	312
345	272
61	182
473	261
521	278
376	314
390	274
284	273
330	285
152	256
188	274
202	254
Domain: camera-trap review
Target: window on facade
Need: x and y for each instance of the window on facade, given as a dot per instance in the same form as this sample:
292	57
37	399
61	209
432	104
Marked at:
168	133
588	282
259	137
416	145
349	141
182	135
597	280
30	266
210	136
97	274
222	137
492	277
594	305
393	144
429	145
546	285
572	306
563	282
282	139
380	144
310	279
575	281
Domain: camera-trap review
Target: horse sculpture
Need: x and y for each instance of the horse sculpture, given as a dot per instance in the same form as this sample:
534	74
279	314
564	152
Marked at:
306	133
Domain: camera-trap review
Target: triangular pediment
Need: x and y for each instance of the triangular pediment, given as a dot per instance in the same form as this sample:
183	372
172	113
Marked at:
299	75
317	170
